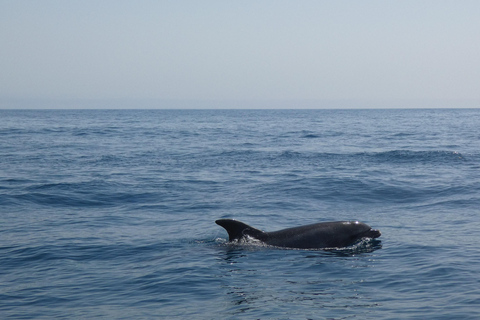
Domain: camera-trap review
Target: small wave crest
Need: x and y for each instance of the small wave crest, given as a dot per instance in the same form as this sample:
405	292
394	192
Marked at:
364	245
245	241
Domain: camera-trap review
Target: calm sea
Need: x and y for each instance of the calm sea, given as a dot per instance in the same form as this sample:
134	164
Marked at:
109	214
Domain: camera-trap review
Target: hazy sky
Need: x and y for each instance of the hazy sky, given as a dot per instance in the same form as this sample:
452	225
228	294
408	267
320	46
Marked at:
262	53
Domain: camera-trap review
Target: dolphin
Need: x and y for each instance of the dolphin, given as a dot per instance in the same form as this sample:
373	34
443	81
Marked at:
324	235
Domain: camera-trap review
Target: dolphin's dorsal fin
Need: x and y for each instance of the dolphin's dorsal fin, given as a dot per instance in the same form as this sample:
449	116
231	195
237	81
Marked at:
236	229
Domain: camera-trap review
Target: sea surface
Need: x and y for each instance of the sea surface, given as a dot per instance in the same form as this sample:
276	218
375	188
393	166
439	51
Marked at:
109	214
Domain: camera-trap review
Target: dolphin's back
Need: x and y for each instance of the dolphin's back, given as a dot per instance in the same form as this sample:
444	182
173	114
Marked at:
319	235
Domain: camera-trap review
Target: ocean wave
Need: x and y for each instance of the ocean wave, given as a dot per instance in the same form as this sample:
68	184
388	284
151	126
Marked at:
309	158
14	257
439	156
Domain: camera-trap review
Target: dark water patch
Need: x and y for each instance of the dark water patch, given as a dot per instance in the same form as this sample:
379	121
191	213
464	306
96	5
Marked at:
418	157
305	134
56	200
289	154
404	134
99	131
311	136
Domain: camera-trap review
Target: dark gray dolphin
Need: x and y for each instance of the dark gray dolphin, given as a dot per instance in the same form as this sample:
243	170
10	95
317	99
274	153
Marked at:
337	234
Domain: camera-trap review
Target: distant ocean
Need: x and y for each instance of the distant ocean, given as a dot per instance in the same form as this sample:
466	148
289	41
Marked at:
109	214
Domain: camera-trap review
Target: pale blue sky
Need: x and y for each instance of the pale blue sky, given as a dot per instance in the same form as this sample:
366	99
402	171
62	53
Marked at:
270	53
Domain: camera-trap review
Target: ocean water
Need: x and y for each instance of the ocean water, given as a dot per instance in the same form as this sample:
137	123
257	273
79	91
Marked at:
109	214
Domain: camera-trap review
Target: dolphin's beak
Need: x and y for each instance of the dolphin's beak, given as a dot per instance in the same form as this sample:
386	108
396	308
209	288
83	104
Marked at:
372	233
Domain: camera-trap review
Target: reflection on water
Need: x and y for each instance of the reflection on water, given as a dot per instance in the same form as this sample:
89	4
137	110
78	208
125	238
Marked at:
289	280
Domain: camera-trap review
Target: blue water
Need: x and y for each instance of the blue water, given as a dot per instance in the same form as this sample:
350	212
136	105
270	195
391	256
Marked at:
109	214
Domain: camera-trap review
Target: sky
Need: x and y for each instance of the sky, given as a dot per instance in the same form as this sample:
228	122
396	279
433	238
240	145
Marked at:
239	54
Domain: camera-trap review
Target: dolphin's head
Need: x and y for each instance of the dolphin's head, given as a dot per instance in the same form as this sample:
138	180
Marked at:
365	231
